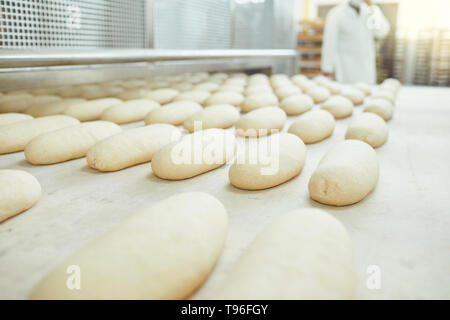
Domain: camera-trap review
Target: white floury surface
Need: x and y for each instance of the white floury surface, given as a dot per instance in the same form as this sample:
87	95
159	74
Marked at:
402	226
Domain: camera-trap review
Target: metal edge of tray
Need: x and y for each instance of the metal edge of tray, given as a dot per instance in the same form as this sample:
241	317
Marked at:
51	57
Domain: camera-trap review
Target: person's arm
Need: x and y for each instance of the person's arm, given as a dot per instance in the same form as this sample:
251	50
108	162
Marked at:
376	21
329	45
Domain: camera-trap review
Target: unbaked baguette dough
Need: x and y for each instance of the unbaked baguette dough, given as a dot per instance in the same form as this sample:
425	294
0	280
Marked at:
381	107
15	102
198	96
45	99
339	106
313	126
287	91
297	104
256	89
355	95
384	94
131	147
133	94
364	87
52	108
346	174
368	127
91	110
216	116
165	251
268	162
261	122
225	97
231	87
162	96
259	100
194	154
206	86
333	86
318	94
173	113
68	143
19	191
9	118
14	137
129	111
303	254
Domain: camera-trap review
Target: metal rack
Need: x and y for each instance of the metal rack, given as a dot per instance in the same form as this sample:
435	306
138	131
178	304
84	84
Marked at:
82	37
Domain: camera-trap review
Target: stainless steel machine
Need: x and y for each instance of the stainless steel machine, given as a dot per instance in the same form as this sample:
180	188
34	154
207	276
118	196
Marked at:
58	42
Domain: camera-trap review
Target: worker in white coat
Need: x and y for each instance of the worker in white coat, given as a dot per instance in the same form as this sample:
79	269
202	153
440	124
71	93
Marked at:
348	51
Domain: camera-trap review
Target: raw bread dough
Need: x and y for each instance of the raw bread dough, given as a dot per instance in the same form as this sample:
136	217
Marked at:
364	87
306	85
339	106
304	254
225	97
207	86
14	137
217	116
268	162
133	94
173	113
131	147
381	107
392	82
384	94
236	81
297	104
287	91
259	100
15	102
279	80
231	87
313	126
52	108
90	110
198	96
355	95
45	99
165	251
194	154
321	80
19	191
55	107
257	89
183	86
8	118
368	127
162	96
68	143
318	94
258	78
333	86
129	111
346	174
261	122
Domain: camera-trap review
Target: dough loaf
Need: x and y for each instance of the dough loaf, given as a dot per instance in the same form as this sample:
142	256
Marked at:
165	251
19	191
346	174
131	147
304	254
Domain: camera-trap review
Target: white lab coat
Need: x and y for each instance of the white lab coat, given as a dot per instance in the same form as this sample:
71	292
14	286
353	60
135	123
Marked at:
348	47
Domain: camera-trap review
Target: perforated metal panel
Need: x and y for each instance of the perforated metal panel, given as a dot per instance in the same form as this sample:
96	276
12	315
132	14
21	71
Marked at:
193	24
72	23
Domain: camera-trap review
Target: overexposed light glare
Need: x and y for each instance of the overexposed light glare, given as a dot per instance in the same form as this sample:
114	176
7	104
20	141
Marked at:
416	15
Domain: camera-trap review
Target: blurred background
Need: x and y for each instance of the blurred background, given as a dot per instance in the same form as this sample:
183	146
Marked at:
416	51
50	32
